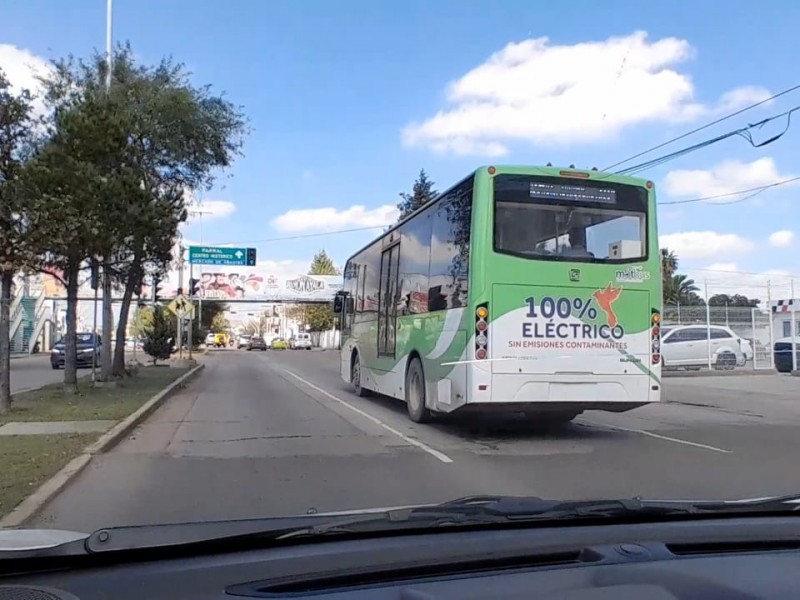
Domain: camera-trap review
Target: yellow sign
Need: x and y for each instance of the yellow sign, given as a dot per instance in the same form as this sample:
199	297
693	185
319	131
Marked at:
182	308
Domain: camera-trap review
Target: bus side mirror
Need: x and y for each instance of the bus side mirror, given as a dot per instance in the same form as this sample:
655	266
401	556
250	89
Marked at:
338	304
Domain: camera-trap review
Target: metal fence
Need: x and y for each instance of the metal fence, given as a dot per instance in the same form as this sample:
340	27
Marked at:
747	323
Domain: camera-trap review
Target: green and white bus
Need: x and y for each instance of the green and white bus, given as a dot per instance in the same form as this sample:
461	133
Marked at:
530	289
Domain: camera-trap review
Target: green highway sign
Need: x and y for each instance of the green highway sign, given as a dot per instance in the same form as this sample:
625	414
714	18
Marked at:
228	257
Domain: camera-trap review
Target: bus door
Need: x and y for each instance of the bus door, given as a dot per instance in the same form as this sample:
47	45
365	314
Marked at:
387	300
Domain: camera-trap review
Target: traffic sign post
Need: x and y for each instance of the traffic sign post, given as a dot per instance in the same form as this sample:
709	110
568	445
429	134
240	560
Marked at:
221	256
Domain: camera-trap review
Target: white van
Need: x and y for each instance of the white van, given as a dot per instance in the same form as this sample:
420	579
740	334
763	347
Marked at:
300	341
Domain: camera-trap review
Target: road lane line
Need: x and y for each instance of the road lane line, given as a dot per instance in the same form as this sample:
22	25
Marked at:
422	446
660	437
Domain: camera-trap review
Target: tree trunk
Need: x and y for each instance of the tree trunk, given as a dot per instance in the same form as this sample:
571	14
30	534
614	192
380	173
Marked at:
133	282
70	337
6	281
107	326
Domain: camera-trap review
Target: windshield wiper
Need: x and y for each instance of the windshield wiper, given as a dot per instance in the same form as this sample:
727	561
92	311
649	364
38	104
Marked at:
490	510
463	512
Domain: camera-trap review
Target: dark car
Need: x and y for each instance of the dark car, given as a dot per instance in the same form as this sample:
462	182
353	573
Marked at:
783	354
256	343
85	347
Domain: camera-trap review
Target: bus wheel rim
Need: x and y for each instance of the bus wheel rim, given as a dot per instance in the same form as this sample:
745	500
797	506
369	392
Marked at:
415	397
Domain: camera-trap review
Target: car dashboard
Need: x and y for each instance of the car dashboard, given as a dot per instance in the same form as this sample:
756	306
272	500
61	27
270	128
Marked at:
737	558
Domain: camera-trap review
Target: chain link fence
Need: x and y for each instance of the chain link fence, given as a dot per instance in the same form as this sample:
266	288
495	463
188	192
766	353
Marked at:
713	331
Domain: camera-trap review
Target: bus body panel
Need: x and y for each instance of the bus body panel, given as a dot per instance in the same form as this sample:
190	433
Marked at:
600	316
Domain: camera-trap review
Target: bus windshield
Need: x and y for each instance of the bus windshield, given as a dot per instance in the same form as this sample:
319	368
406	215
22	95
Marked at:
550	218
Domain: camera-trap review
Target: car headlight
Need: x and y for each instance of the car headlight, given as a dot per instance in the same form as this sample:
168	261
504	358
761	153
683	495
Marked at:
87	350
56	351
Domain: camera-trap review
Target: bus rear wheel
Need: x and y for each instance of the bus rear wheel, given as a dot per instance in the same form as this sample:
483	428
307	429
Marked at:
355	377
415	393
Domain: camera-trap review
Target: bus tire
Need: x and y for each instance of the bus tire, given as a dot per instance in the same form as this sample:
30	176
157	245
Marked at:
415	393
355	377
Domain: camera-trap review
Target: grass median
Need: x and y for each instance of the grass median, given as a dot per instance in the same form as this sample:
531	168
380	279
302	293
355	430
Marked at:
29	460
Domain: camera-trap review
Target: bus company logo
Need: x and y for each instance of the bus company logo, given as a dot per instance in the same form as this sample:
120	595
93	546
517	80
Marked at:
574	274
305	284
605	299
633	274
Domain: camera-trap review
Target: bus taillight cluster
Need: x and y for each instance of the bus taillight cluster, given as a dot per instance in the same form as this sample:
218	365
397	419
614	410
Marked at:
482	332
655	338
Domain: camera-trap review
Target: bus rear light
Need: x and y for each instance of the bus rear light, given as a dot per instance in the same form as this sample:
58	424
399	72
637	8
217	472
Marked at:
574	174
482	331
655	337
492	170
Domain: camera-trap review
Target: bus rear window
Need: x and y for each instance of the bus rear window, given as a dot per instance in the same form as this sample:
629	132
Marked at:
551	218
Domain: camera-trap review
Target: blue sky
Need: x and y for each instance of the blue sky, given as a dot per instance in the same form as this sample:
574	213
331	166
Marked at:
343	99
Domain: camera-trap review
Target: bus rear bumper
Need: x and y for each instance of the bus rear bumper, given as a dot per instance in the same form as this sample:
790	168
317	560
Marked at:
613	393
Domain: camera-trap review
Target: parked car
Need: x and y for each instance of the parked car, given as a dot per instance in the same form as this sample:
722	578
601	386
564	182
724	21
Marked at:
689	346
257	343
300	341
86	349
242	341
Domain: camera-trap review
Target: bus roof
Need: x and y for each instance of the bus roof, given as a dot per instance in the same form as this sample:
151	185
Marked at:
513	170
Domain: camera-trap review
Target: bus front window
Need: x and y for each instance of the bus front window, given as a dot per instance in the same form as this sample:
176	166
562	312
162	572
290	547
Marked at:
558	219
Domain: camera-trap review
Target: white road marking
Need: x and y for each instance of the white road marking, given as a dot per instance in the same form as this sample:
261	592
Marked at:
660	437
424	447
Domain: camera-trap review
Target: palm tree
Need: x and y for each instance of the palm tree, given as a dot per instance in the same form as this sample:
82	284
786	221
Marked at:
669	263
679	289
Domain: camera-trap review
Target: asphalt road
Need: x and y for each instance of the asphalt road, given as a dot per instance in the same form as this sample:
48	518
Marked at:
276	433
33	371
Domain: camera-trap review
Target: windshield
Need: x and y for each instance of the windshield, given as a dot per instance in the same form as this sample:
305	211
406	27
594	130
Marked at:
266	259
564	219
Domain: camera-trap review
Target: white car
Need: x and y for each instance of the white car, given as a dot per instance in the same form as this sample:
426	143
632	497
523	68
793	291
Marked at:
690	345
300	341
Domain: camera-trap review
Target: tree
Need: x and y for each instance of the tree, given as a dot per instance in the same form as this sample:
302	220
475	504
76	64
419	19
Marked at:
421	193
322	264
17	212
319	317
669	264
158	341
735	300
220	323
679	289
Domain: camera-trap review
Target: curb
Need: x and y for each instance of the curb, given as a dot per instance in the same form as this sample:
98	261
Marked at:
50	488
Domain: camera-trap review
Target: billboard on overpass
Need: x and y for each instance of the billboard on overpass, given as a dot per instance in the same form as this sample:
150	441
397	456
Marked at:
252	284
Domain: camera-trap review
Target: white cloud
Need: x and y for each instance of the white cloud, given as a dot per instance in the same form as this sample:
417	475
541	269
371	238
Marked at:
726	177
704	244
22	67
214	209
782	238
549	94
728	278
330	219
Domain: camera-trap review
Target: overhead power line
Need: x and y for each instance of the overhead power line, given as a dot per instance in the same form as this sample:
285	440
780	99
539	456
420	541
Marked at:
751	191
744	132
702	127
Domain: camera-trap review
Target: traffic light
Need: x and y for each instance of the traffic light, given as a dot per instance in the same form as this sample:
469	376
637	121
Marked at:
194	284
251	257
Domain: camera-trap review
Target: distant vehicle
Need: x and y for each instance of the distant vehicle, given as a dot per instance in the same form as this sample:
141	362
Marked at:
242	341
300	341
85	345
531	289
689	346
211	340
783	354
279	344
257	343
